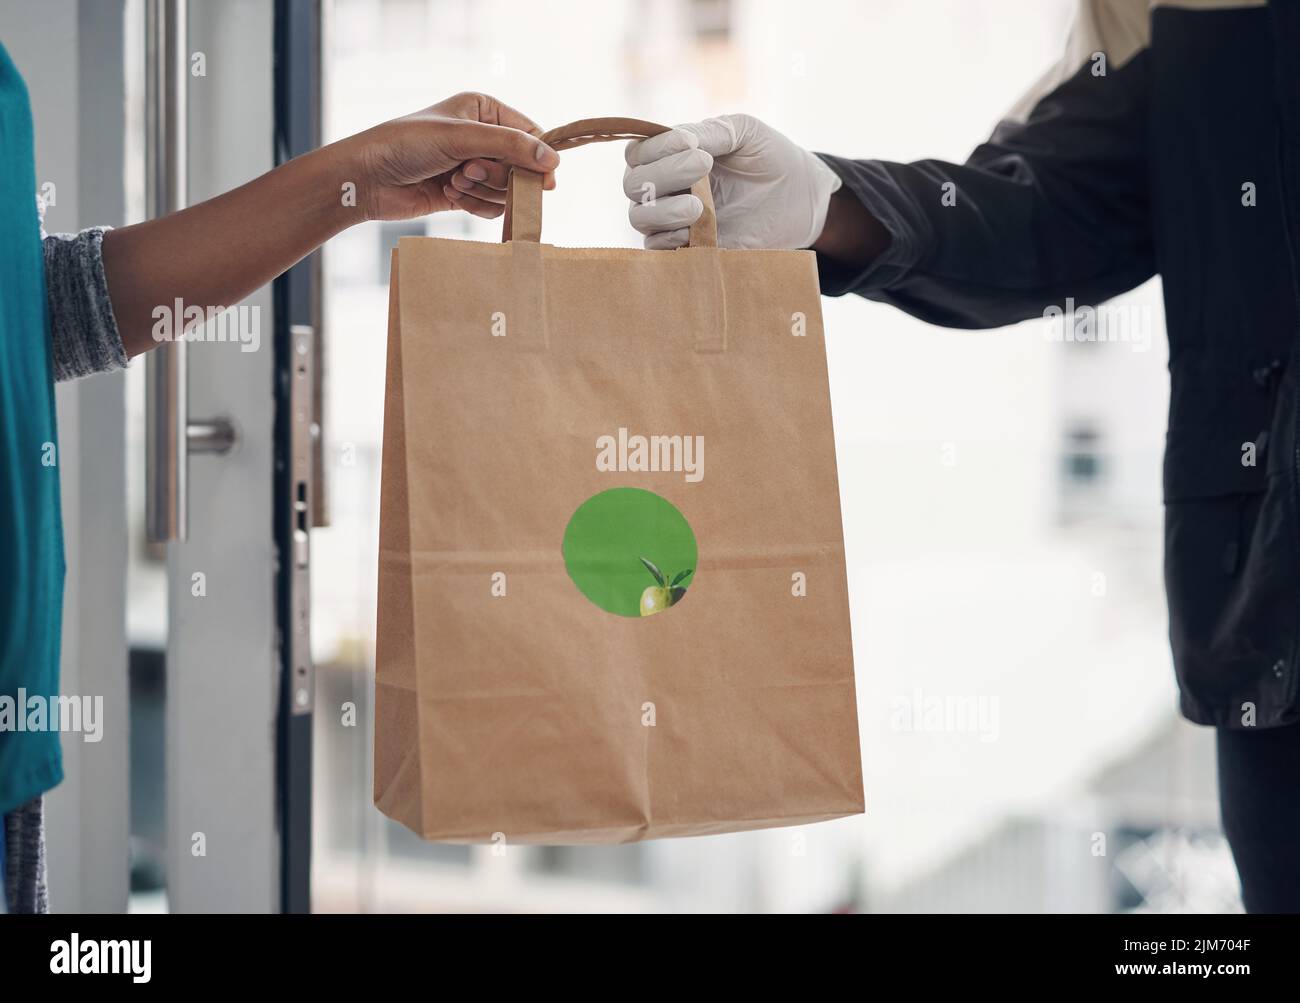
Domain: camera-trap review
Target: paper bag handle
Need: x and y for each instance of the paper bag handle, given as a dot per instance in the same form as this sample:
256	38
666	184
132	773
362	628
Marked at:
523	215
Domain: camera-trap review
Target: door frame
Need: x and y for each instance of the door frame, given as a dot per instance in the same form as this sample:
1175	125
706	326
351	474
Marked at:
298	361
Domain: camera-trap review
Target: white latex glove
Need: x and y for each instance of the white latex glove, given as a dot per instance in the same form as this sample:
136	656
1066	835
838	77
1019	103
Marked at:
768	192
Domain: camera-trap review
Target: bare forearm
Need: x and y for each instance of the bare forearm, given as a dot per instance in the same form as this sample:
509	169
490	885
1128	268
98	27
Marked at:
852	235
216	253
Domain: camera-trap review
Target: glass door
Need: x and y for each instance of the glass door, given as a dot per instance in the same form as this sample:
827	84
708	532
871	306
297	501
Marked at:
220	686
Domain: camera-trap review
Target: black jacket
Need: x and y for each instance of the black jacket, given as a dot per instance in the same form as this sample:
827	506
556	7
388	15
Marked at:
1115	169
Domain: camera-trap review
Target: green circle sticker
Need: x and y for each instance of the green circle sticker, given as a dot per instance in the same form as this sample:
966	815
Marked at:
630	552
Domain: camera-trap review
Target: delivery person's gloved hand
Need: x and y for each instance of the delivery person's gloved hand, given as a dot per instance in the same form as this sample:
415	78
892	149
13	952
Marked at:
768	192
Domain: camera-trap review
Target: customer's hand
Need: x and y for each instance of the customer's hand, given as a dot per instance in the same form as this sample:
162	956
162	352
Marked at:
456	154
767	191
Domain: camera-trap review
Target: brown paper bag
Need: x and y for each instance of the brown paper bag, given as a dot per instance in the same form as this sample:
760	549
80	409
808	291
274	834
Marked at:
565	430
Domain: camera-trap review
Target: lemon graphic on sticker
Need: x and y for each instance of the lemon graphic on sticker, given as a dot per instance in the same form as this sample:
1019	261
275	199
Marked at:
617	545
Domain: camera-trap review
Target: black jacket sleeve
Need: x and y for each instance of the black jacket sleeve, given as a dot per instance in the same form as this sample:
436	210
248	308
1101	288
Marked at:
1054	204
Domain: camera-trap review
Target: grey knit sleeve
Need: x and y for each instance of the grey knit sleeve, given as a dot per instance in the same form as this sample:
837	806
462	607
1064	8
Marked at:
83	330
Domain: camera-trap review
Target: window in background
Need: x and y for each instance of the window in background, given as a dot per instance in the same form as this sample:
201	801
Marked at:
389	234
1083	463
711	19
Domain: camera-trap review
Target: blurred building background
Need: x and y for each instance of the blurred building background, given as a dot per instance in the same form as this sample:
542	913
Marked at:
1000	491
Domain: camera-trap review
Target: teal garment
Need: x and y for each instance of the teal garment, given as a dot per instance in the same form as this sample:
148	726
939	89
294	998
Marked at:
31	529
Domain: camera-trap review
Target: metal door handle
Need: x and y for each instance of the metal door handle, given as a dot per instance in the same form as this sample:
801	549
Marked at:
170	436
